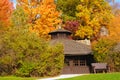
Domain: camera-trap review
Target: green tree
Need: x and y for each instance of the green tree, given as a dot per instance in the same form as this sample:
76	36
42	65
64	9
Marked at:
92	15
116	57
23	53
102	49
19	18
105	51
68	8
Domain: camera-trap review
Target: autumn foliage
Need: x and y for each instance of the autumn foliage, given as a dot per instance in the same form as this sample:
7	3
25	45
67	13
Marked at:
42	15
23	53
72	26
92	14
114	29
6	8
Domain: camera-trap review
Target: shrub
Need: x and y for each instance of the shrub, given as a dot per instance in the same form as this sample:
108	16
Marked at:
104	51
25	54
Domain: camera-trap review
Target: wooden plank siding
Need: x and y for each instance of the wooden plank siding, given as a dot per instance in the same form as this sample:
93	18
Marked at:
76	65
75	70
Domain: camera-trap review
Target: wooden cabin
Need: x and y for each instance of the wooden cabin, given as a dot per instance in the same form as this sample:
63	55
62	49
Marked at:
78	56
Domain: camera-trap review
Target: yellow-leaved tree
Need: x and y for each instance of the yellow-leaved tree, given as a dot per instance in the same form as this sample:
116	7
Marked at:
92	15
43	15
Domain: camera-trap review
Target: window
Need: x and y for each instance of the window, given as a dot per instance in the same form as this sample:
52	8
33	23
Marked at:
82	63
76	63
79	63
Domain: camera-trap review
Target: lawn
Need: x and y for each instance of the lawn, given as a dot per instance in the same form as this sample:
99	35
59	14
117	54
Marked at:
16	78
108	76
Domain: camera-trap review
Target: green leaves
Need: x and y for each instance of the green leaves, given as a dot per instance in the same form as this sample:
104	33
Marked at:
19	18
68	8
26	54
104	51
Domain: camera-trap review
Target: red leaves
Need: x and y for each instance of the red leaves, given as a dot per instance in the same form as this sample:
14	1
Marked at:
71	26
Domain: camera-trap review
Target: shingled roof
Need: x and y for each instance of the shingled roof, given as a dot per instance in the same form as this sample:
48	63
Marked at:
71	47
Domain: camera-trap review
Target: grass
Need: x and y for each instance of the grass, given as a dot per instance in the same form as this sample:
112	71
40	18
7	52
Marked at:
16	78
108	76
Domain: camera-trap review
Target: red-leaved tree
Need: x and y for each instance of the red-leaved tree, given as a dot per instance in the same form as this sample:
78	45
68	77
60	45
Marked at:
72	26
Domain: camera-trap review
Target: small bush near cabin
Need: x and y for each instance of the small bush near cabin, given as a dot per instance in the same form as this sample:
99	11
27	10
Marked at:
104	51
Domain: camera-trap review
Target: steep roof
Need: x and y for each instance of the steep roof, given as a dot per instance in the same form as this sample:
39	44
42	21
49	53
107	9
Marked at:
72	47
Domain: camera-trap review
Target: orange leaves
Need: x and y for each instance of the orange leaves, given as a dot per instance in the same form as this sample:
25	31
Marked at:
42	15
114	29
6	8
48	19
48	1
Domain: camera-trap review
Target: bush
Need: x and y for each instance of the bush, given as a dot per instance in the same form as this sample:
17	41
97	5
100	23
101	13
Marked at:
104	51
24	54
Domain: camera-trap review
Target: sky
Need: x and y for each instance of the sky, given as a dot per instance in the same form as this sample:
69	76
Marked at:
14	2
117	1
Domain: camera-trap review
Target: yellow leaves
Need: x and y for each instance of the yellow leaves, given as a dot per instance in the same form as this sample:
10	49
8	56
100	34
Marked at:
79	8
83	14
84	32
92	13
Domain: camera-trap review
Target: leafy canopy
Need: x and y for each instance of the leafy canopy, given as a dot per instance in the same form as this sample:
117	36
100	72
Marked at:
42	15
68	8
92	14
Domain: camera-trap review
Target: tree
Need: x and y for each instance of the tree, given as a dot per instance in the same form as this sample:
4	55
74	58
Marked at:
23	53
92	15
116	56
42	15
105	51
19	18
6	8
72	26
114	29
101	49
68	8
